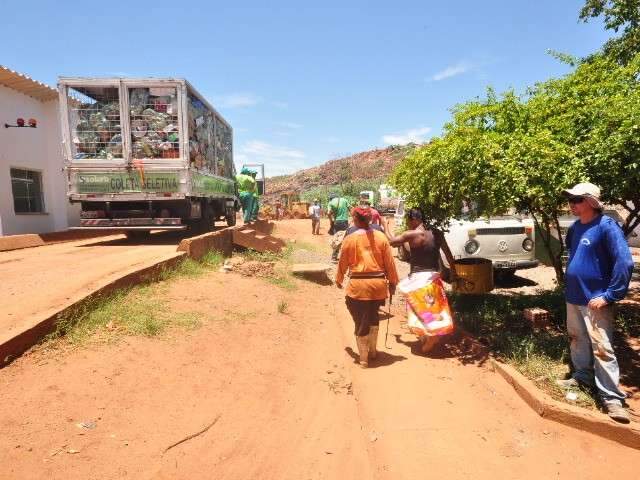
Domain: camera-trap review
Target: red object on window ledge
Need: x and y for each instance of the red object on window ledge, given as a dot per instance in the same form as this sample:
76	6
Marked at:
20	122
33	123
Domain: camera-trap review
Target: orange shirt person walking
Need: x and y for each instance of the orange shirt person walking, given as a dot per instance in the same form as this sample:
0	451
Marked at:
367	256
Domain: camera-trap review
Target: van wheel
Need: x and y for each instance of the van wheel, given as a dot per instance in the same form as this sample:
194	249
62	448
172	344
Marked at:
504	274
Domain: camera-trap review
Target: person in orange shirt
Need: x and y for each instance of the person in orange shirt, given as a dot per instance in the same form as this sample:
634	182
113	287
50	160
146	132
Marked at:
367	256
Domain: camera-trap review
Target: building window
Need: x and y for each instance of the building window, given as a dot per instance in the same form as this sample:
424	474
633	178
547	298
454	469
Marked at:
27	191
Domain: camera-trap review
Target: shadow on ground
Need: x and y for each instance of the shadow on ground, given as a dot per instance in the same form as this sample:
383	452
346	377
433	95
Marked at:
513	281
383	358
456	345
155	238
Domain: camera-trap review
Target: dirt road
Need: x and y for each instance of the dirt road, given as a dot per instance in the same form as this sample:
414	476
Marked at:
287	400
41	279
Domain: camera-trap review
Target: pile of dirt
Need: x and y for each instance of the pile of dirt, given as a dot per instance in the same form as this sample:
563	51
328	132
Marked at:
249	268
257	269
371	165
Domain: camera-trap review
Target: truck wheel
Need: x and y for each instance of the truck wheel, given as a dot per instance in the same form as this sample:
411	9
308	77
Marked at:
137	235
230	217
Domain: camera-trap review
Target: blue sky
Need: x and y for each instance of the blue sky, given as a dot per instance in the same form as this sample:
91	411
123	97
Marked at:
302	84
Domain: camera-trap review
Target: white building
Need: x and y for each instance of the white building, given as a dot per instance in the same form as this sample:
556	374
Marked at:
32	182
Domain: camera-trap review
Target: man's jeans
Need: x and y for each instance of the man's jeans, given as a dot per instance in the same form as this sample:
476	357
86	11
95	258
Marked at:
591	350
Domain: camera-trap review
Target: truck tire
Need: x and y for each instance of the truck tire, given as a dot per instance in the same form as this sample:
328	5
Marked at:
230	217
137	235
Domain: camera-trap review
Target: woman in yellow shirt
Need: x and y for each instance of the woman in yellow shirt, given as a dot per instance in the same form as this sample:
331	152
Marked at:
367	256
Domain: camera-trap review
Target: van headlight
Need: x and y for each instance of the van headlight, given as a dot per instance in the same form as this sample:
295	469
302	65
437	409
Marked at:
471	246
527	244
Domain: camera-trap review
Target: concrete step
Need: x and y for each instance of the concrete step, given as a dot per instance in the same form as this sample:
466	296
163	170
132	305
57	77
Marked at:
249	238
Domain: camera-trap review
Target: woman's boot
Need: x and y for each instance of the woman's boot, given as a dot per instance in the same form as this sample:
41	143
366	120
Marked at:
363	350
373	342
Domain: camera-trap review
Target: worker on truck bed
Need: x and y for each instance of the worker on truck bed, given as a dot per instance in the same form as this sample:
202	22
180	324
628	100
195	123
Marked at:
256	197
246	186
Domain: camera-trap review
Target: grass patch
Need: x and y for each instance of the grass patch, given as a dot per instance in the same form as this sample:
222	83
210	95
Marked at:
138	310
628	320
253	255
312	247
191	268
542	355
284	281
283	307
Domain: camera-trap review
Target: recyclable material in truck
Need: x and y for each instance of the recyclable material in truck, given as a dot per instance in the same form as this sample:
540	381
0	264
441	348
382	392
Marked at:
146	154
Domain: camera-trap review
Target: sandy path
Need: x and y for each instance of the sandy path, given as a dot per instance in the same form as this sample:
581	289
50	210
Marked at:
290	402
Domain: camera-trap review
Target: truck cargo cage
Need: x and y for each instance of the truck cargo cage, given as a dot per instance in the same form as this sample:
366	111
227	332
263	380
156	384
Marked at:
94	120
154	122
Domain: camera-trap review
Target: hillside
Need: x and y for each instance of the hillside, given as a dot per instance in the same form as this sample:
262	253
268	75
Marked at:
373	166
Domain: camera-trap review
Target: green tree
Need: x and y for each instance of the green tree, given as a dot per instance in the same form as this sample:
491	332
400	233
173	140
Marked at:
618	15
596	112
493	157
522	151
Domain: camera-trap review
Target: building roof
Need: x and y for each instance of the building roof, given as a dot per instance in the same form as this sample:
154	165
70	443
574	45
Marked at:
27	85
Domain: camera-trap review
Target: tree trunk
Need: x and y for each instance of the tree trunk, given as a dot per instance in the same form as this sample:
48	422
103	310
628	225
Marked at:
557	264
545	234
632	220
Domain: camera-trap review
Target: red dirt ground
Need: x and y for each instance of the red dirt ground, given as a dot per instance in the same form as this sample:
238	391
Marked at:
289	401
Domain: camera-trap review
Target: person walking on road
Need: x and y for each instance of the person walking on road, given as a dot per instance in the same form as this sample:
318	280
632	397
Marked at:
376	218
425	245
246	187
598	275
338	211
367	257
314	213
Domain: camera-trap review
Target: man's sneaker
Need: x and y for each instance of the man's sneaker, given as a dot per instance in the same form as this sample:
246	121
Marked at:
568	383
616	411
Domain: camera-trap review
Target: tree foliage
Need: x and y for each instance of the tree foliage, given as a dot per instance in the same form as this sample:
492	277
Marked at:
521	151
618	15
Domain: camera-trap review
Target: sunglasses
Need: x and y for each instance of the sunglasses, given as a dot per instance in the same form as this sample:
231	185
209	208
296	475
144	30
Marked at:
576	199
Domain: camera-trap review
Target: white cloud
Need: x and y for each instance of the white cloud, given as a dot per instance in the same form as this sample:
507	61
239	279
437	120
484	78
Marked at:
291	125
267	150
236	100
278	160
415	135
452	71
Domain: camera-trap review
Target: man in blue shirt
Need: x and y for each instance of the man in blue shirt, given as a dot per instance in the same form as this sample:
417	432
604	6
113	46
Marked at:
598	275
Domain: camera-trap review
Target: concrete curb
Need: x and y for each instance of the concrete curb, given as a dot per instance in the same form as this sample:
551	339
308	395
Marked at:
576	417
572	416
197	247
14	344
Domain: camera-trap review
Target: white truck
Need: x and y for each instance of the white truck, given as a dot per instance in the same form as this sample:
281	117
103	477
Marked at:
146	154
389	199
